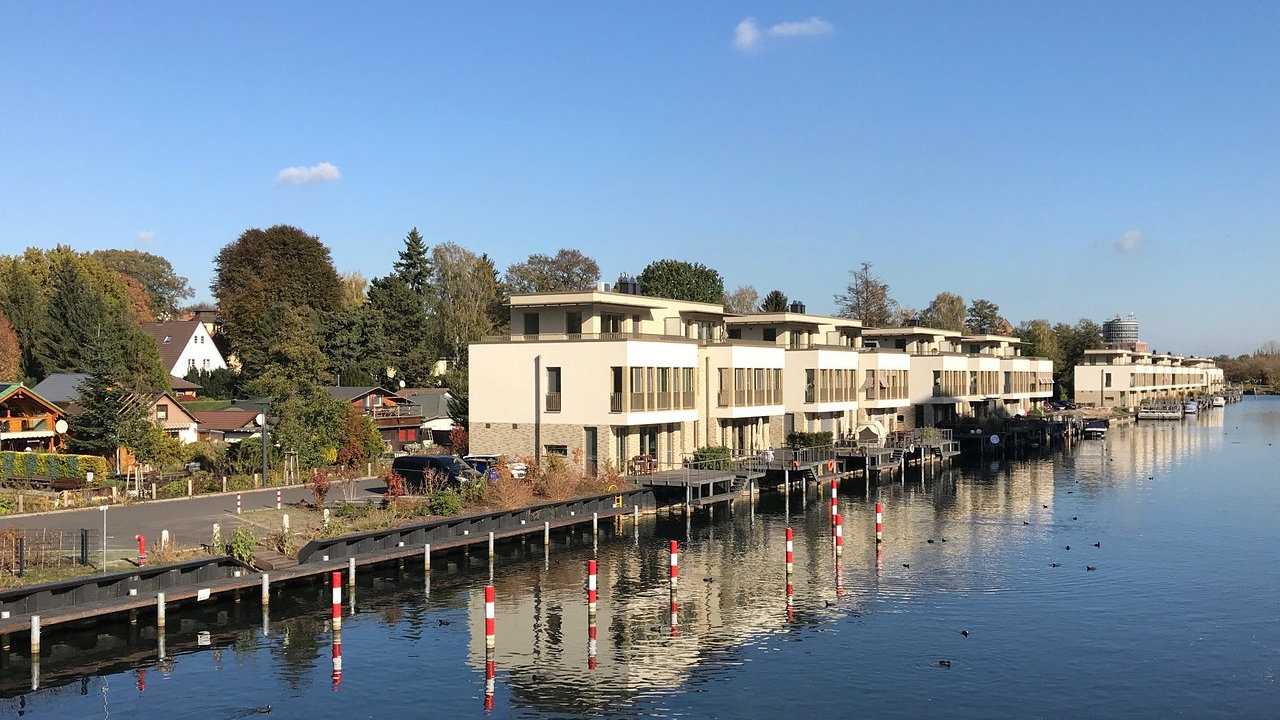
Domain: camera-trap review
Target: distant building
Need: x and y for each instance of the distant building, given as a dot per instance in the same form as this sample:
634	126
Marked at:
433	403
1121	333
1118	377
398	419
29	421
185	345
230	426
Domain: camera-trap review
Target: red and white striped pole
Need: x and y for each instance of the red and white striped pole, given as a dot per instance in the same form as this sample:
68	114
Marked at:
835	509
336	581
490	640
791	564
278	500
879	522
337	659
591	586
237	503
142	549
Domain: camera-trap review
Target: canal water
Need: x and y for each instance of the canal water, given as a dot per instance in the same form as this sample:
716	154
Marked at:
1181	616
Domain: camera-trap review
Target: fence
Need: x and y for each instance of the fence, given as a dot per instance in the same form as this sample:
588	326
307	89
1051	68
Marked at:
44	548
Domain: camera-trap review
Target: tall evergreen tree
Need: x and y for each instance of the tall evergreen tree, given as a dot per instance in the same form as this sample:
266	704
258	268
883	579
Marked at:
76	316
414	265
775	301
111	413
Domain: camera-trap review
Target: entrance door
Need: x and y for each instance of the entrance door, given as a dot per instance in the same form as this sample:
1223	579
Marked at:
740	434
589	450
649	441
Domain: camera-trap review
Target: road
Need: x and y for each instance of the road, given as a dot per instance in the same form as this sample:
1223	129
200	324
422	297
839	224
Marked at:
189	522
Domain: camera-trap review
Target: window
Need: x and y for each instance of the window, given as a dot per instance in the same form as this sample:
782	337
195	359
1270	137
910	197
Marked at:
573	323
561	450
1106	380
735	333
531	323
553	389
770	334
191	363
615	389
808	385
162	412
637	389
610	323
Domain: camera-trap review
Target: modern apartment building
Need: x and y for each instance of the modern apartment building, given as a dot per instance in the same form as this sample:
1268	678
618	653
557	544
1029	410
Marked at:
621	378
1119	377
953	375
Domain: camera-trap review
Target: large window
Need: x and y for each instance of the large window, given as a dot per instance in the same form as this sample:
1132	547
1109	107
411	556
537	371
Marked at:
531	323
553	389
615	389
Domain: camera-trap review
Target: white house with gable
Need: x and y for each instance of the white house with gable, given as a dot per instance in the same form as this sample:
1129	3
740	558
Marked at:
185	345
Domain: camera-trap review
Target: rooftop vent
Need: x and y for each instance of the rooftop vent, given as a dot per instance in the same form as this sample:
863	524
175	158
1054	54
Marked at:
627	285
797	307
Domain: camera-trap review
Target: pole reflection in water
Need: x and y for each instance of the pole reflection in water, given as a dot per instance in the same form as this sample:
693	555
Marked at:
490	673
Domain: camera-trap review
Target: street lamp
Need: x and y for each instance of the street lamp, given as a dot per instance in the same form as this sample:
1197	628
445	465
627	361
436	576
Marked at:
103	508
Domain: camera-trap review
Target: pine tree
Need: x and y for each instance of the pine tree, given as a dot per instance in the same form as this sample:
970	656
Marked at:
76	316
414	265
111	414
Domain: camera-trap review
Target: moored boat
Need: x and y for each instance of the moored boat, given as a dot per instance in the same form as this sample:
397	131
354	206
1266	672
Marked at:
1095	428
1191	407
1219	401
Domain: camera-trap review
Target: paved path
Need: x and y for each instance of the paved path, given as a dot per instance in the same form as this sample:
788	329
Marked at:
189	521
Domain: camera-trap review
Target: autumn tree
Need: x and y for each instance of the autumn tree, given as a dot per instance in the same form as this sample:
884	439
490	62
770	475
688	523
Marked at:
867	299
1039	340
567	270
165	289
263	269
359	440
467	299
945	312
774	302
10	353
681	280
353	287
742	300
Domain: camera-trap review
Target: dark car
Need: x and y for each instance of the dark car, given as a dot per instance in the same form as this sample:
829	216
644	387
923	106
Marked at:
414	468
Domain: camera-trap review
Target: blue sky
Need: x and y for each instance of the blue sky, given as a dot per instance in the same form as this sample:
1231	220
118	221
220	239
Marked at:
1065	160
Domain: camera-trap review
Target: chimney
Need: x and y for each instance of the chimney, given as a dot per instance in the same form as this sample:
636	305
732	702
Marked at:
797	307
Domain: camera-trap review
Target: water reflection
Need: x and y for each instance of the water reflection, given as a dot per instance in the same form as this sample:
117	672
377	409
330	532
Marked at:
964	529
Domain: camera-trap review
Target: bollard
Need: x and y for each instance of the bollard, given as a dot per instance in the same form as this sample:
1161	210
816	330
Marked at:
160	613
595	524
255	480
335	579
491	546
489	624
284	523
224	483
164	539
591	586
426	558
153	491
879	522
351	576
324	518
35	636
278	505
191	490
266	589
237	503
675	565
216	539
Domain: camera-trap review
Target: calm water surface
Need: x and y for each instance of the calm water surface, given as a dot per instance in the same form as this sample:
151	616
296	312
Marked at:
1180	617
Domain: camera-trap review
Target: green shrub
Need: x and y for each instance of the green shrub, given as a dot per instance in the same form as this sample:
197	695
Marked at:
797	440
243	544
54	466
713	457
445	502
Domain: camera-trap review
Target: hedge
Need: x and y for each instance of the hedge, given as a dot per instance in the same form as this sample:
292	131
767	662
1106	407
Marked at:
51	466
797	440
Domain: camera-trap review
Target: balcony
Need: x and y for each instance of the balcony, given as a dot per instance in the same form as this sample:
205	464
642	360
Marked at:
688	400
394	411
553	402
615	402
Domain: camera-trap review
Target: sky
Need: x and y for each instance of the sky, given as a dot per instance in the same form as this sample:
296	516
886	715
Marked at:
1064	160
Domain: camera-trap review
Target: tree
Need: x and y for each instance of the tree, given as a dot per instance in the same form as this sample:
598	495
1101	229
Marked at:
742	300
402	319
867	299
459	407
353	287
10	352
22	301
945	312
1073	340
137	299
293	363
356	346
983	318
566	271
414	264
112	414
681	280
774	302
467	300
359	440
1039	340
904	316
281	265
219	384
164	288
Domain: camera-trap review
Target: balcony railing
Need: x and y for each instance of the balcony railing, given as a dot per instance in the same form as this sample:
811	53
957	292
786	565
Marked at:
394	411
553	402
664	401
615	402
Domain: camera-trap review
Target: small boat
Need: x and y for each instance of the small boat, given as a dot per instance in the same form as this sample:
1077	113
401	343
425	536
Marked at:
1219	401
1095	428
1191	407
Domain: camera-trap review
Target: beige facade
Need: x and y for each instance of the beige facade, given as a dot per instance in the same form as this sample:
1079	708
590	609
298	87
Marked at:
1117	377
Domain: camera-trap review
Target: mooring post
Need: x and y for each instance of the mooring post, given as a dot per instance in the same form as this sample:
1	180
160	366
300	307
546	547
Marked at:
278	500
351	575
879	522
546	533
490	638
224	483
35	636
266	589
595	524
160	613
335	580
491	547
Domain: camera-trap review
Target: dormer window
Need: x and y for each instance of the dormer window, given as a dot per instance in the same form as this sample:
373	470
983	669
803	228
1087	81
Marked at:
166	340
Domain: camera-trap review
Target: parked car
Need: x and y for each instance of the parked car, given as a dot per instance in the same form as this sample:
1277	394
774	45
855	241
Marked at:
414	468
483	463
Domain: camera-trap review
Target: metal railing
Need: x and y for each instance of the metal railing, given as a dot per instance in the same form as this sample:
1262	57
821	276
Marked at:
615	402
553	402
393	411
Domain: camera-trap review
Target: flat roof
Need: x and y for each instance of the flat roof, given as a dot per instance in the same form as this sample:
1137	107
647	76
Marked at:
909	330
588	297
773	318
990	338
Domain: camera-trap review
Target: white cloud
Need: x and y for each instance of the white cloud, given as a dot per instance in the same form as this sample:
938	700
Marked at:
301	175
1129	243
746	34
801	28
146	236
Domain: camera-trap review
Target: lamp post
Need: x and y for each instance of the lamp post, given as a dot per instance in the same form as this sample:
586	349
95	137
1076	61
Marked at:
262	423
104	537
